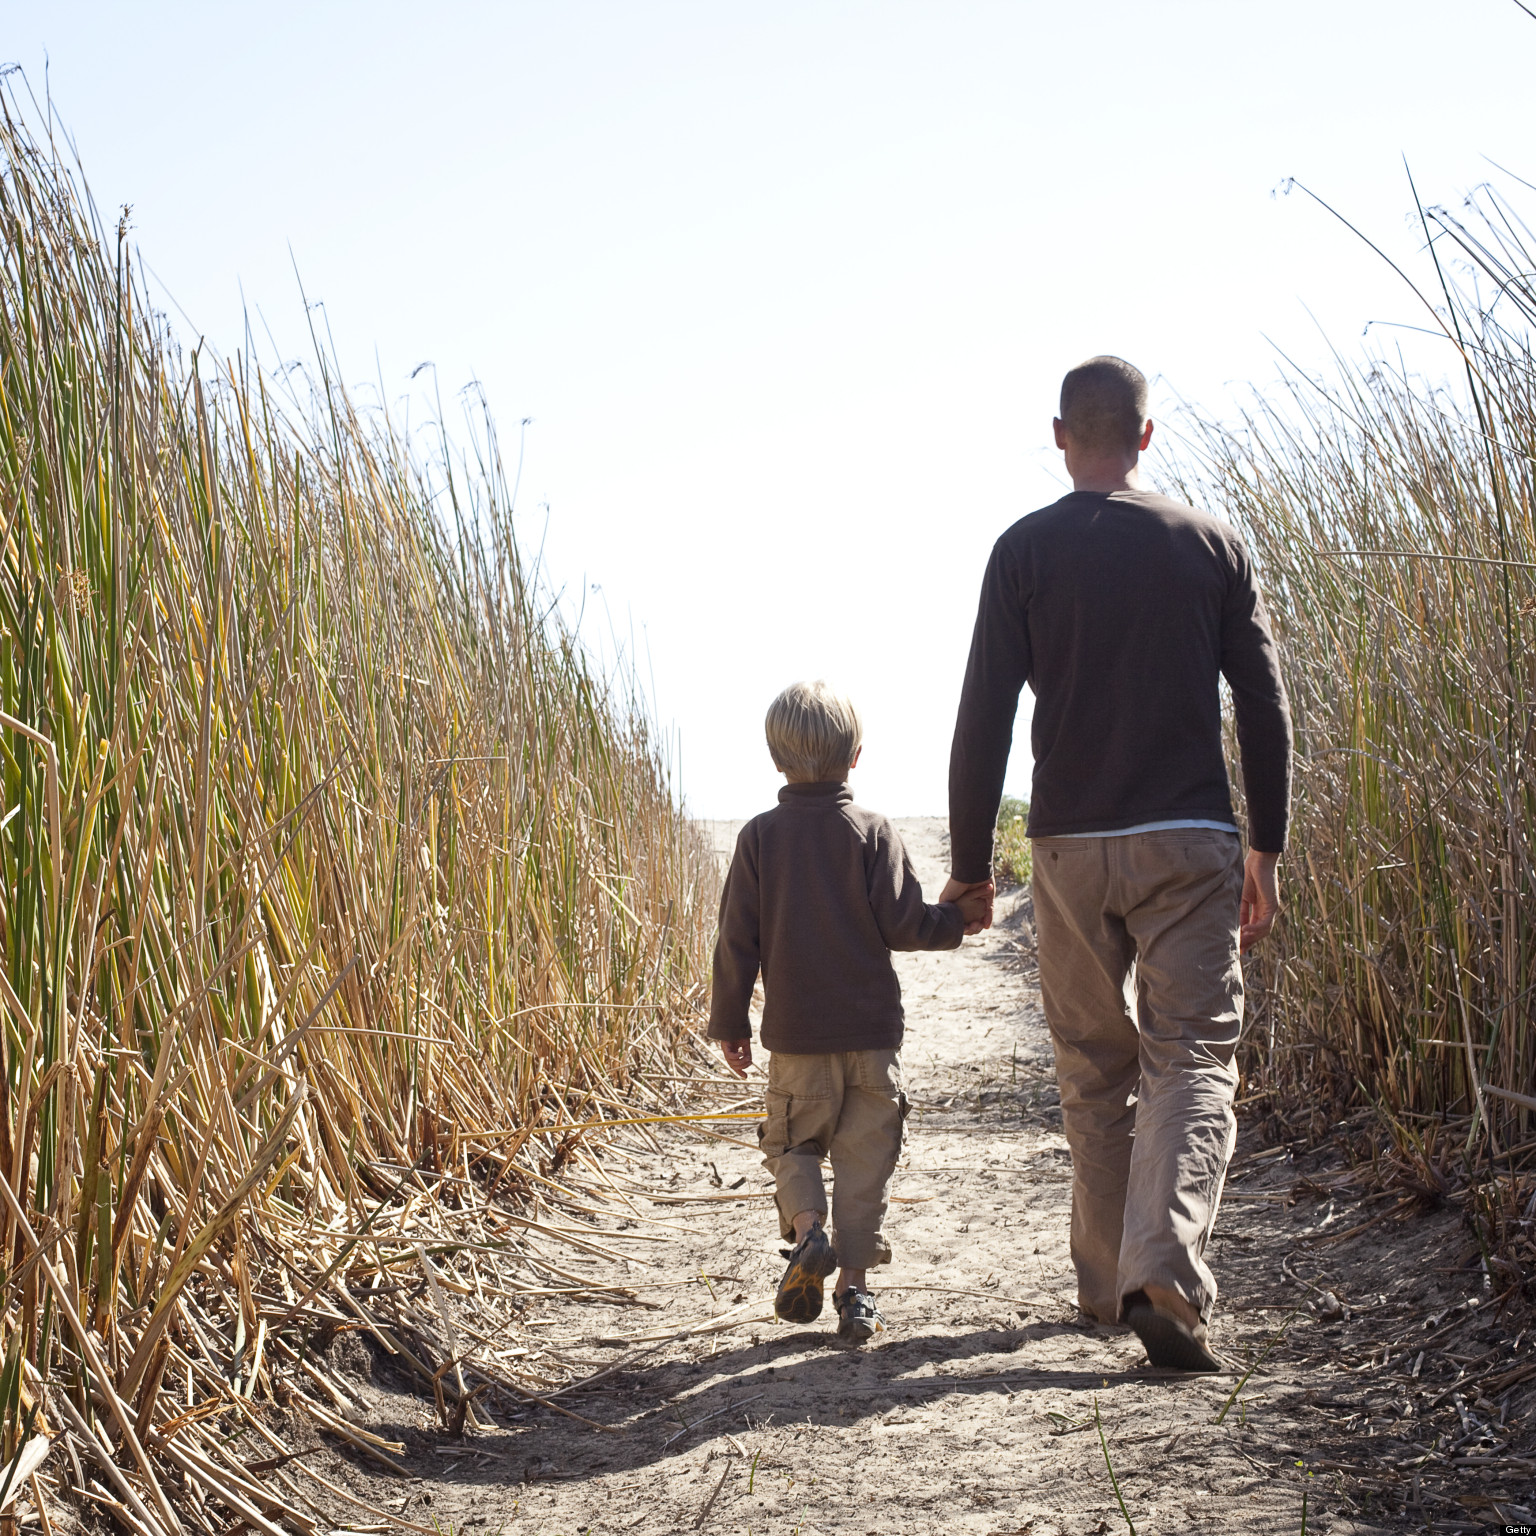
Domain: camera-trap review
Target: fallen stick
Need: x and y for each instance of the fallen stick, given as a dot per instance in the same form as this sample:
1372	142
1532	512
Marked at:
729	1407
349	1432
93	1364
372	1509
954	1383
766	1194
120	1512
114	1472
709	1503
42	1508
225	1488
1355	1231
718	1324
533	1397
949	1290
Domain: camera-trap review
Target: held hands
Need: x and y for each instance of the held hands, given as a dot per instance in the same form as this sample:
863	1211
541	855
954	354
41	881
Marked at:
738	1055
974	901
1260	904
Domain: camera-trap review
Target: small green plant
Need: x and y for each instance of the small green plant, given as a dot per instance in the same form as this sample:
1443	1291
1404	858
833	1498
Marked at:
1114	1482
1010	847
752	1475
1226	1407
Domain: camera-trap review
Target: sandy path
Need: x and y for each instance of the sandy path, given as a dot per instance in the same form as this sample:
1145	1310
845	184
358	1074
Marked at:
974	1412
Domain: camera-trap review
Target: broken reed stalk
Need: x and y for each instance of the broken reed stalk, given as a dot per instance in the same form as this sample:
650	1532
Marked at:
337	891
1391	520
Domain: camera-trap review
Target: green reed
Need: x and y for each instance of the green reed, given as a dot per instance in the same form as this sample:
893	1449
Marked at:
321	843
1392	523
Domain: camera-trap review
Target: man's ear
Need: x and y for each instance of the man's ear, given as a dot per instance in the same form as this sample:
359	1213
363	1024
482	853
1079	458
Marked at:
1146	437
1059	428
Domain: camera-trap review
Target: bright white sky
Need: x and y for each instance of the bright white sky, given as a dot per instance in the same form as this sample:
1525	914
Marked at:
787	289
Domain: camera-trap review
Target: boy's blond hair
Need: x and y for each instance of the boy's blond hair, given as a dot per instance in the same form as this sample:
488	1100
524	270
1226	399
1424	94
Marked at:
814	732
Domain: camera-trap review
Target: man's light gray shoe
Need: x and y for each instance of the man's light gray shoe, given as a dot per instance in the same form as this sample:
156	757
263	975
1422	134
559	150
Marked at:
1171	1344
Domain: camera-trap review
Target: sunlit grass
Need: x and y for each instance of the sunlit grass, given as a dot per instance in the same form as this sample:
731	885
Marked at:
1392	524
323	850
1010	847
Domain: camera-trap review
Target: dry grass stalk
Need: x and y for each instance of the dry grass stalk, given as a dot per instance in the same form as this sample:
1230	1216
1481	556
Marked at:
1393	525
338	895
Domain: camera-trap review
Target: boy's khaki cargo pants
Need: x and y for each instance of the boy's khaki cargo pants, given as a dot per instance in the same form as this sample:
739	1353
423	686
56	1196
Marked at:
847	1106
1143	992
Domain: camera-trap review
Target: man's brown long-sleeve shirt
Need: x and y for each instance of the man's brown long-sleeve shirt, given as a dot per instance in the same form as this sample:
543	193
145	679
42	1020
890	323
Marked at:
1121	611
819	892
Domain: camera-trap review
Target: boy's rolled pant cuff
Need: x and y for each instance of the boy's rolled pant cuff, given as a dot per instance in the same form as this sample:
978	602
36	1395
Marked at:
861	1252
796	1190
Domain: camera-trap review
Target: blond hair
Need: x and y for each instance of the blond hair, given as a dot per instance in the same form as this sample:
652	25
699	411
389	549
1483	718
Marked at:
814	732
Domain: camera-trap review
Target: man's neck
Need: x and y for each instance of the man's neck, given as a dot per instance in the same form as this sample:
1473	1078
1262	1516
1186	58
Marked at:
1105	478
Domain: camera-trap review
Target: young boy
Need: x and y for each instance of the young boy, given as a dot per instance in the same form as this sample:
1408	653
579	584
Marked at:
818	894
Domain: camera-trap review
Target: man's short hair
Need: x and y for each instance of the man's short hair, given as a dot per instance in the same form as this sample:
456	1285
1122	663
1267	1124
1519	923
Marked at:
814	732
1104	405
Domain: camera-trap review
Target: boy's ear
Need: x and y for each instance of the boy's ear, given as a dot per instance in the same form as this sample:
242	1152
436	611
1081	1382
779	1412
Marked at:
856	756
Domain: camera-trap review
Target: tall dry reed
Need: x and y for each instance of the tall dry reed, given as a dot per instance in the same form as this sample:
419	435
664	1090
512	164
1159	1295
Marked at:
325	855
1392	521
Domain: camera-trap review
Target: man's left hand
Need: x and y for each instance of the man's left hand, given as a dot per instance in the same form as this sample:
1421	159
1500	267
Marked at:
1260	905
955	889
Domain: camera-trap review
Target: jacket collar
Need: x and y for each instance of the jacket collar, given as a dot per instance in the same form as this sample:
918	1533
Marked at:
822	793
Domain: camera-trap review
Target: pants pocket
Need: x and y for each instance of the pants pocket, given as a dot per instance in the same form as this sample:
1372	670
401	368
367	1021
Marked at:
804	1076
773	1133
876	1071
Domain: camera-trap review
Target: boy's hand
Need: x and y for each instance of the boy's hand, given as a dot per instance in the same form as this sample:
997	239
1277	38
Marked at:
974	901
738	1055
976	909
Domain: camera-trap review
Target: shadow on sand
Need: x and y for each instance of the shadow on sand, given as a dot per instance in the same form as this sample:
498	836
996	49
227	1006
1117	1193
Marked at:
658	1411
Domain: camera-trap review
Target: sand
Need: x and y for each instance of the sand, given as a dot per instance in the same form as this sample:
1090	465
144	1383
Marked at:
979	1408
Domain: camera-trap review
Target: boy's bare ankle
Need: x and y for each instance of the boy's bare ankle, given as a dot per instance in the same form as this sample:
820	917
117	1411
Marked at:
850	1279
804	1221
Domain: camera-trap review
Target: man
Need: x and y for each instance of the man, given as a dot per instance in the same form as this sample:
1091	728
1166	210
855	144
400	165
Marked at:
1121	609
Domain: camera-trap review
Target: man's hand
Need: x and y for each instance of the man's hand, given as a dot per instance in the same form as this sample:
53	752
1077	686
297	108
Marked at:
738	1055
1260	905
974	901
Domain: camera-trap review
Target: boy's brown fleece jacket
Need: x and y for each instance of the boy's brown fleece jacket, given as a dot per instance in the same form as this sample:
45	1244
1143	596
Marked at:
819	892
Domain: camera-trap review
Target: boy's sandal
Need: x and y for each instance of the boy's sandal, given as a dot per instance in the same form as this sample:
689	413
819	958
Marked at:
858	1318
811	1260
1170	1342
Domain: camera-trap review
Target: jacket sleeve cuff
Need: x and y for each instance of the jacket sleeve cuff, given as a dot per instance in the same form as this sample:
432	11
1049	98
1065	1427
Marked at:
971	874
1266	837
723	1029
950	929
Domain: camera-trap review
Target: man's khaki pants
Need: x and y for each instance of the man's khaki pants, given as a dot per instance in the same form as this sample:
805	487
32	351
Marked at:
1143	993
847	1106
